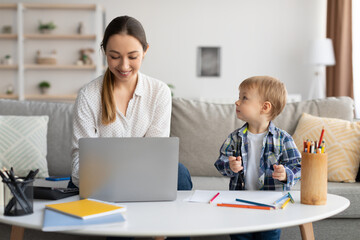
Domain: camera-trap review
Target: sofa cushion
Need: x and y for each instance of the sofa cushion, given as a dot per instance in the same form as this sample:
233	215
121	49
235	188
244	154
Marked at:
59	129
332	107
342	140
203	127
23	144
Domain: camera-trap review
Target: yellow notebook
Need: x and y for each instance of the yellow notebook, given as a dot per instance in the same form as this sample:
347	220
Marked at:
86	208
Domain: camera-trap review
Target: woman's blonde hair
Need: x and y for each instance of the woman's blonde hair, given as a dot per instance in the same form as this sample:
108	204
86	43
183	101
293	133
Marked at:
120	25
270	89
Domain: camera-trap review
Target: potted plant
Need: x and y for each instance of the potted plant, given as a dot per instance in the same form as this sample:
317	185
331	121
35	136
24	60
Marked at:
46	27
7	60
44	87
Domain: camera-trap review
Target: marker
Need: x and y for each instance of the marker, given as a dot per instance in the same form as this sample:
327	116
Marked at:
214	198
255	203
243	206
285	203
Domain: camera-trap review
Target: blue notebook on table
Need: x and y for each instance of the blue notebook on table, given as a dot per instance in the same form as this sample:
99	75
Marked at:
55	221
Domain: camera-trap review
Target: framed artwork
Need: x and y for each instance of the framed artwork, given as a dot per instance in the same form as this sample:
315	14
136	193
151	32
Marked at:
208	61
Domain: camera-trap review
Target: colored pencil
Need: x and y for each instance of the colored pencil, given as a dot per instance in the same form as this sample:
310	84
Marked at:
214	198
282	198
254	203
243	206
321	136
285	203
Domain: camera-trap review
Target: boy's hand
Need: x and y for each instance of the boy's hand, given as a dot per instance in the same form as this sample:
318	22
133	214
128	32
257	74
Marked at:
235	164
279	172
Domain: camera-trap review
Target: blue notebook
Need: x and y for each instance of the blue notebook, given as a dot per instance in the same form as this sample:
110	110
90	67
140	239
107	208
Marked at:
55	221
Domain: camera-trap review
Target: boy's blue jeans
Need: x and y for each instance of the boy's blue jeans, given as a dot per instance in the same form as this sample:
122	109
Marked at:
266	235
184	183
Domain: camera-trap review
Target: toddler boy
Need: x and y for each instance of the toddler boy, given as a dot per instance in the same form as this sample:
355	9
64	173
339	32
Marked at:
260	156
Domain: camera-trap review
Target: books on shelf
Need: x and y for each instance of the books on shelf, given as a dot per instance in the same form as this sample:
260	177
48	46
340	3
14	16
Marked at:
86	208
56	221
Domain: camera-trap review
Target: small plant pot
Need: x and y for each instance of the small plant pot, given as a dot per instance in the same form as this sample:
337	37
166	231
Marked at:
44	90
46	31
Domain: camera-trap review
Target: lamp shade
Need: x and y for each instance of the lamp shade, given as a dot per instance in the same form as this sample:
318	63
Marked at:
322	52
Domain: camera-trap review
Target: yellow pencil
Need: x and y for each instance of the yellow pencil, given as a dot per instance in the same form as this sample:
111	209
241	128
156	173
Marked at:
285	203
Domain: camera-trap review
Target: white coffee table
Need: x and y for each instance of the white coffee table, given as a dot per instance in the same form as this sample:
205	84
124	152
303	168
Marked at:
181	218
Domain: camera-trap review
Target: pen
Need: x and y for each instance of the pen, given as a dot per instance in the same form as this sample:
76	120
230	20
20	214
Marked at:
285	203
255	203
214	198
243	206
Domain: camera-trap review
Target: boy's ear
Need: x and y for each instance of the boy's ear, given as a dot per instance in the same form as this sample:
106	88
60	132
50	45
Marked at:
266	108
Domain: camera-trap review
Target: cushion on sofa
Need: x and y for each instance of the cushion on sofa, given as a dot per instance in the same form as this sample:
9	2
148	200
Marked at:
59	129
23	144
203	127
342	140
332	107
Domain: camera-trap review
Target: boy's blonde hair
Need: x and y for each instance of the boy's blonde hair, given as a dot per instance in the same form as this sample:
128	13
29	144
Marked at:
270	89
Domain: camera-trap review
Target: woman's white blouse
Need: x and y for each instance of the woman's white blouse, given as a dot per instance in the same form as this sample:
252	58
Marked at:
148	115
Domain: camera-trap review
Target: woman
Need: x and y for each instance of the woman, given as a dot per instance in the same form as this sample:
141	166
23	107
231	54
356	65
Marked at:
123	102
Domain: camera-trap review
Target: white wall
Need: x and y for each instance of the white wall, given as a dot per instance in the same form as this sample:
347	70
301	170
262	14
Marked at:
257	37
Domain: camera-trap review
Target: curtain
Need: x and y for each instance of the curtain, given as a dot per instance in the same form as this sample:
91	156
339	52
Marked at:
339	78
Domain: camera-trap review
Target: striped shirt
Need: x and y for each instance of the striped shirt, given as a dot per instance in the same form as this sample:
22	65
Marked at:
278	148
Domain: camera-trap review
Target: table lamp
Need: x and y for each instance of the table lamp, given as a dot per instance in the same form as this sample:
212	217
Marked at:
321	54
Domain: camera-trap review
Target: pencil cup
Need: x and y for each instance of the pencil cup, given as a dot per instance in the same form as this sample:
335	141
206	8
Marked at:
18	197
313	178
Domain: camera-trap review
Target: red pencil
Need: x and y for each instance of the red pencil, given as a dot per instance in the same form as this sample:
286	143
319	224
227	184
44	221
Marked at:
242	206
214	198
321	136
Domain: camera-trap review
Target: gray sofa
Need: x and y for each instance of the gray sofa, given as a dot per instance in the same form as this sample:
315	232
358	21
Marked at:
202	128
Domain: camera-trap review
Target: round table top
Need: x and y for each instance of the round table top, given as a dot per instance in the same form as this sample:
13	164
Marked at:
183	218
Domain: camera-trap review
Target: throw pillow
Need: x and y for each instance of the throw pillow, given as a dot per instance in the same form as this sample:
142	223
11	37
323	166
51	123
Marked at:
23	144
342	141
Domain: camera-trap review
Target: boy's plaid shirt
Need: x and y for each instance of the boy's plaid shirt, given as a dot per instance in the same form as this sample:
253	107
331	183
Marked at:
278	148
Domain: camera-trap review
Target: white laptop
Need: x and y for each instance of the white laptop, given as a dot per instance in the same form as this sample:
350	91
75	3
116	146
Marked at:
128	169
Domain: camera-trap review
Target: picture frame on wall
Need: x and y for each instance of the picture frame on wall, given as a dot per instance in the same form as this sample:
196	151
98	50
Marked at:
208	62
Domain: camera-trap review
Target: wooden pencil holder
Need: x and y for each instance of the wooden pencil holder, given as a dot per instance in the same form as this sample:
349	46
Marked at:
313	178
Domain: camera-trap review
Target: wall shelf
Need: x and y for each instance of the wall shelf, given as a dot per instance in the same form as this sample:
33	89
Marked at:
58	67
60	6
8	36
26	39
67	97
60	36
9	67
8	6
9	96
